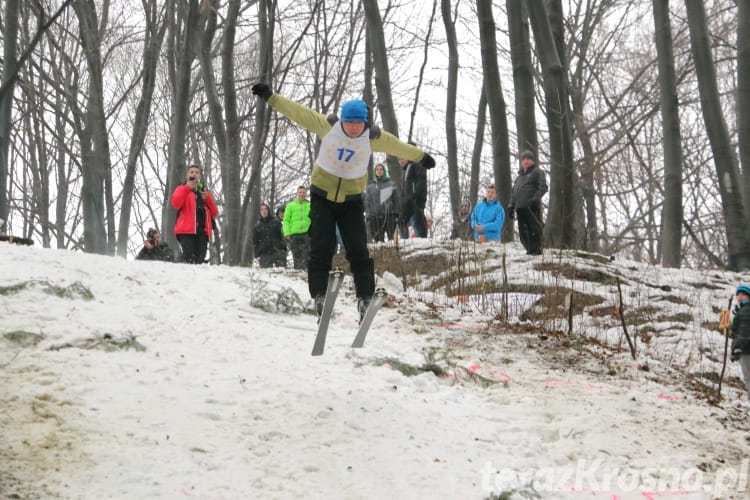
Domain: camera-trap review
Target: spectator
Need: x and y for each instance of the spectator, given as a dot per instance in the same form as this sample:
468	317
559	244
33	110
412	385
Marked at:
488	217
381	204
296	226
196	210
413	198
741	332
462	224
268	239
338	183
154	249
526	202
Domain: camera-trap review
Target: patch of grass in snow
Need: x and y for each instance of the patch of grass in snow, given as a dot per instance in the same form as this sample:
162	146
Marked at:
284	301
72	291
23	338
106	342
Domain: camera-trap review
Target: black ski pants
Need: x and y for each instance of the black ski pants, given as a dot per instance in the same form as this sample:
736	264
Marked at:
349	216
194	247
530	229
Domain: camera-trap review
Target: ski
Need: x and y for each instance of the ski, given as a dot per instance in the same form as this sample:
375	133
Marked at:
335	278
375	304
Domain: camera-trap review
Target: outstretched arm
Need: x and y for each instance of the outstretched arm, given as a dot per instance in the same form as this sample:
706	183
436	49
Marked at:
303	116
392	145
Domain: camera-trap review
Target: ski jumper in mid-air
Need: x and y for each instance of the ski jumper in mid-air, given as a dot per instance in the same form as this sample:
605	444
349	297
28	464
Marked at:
339	176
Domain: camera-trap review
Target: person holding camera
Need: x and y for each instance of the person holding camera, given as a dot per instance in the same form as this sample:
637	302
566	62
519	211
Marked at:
154	249
196	210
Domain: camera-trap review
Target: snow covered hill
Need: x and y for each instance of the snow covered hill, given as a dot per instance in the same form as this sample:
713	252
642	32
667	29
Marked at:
122	379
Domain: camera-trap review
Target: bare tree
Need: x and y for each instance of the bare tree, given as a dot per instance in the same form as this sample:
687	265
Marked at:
450	106
226	124
672	211
183	25
560	227
382	75
11	66
98	234
266	28
156	26
496	103
10	37
476	155
523	76
724	157
743	96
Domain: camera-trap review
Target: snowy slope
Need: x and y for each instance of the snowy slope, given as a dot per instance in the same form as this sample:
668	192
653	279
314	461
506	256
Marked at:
226	402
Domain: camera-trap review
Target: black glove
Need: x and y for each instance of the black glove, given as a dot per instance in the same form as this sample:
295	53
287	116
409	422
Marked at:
428	161
262	90
511	213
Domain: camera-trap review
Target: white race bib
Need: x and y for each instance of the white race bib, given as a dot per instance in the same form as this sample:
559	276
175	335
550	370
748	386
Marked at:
344	156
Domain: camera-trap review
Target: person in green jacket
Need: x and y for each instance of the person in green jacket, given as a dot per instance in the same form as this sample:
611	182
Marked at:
338	182
296	225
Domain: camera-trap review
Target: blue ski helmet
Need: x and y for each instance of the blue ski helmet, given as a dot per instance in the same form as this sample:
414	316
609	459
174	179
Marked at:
354	111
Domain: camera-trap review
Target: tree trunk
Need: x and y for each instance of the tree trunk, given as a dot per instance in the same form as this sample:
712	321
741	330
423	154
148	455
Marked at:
476	155
450	107
95	157
718	135
231	169
523	76
10	38
671	219
183	30
560	227
743	98
382	77
266	28
153	38
224	123
496	103
11	66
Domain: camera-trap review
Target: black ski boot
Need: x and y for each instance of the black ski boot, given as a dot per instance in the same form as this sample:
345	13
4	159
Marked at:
320	301
362	304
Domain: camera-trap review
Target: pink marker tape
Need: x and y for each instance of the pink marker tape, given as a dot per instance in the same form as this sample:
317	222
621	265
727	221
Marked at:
496	375
667	397
560	383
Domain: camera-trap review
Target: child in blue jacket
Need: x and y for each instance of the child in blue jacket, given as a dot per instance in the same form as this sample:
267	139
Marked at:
488	217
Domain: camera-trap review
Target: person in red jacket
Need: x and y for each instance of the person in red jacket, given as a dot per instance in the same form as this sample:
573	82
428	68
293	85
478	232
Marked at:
196	209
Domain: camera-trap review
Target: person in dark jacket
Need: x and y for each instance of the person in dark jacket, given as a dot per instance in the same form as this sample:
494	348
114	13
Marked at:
413	198
196	210
741	332
154	249
526	202
462	224
268	239
381	205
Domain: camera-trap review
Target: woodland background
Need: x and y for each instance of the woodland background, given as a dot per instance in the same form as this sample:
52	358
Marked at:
639	112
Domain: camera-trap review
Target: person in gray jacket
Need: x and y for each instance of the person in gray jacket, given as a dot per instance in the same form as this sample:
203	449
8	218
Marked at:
526	202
